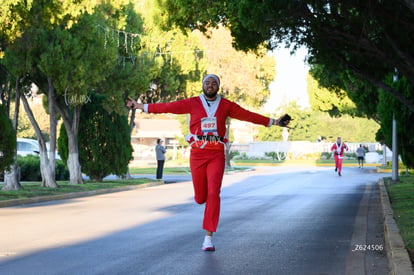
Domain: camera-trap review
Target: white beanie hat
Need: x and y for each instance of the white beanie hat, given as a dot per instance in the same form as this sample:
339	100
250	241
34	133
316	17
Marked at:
215	77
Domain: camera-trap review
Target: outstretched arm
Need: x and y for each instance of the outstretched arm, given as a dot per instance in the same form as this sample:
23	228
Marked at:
240	113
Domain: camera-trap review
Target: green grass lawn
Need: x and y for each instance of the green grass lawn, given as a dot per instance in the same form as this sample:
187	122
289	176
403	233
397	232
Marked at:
167	170
33	189
402	202
180	170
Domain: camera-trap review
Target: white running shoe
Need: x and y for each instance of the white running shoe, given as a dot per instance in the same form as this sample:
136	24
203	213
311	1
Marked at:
208	244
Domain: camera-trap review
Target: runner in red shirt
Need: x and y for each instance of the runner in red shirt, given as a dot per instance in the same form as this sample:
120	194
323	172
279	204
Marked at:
208	115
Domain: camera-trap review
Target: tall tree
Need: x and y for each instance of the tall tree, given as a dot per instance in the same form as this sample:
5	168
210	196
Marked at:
313	125
7	140
369	39
9	83
175	63
339	92
245	76
403	117
336	102
105	141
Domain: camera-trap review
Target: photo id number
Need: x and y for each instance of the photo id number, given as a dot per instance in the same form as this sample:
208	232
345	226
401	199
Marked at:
368	247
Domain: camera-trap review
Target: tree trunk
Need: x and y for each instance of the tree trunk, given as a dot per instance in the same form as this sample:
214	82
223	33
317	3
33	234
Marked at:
50	162
47	171
127	176
74	166
70	117
48	176
75	171
131	128
12	177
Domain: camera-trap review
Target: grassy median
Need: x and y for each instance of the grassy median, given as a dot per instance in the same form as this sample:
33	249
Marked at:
402	202
33	189
184	170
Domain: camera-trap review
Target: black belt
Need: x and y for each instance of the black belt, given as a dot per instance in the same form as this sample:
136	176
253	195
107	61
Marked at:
211	138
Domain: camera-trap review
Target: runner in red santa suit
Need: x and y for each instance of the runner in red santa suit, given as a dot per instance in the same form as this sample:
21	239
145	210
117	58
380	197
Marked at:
208	114
338	149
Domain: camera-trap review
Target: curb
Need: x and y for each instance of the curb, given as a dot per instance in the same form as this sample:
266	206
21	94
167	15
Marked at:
399	261
74	195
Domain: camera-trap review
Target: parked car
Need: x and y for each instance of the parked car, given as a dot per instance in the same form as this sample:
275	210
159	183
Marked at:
27	146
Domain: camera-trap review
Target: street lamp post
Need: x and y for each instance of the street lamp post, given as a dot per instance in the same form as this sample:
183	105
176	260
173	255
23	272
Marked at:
394	150
394	140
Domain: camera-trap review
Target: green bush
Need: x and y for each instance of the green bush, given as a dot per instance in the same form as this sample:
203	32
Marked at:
61	172
350	155
272	155
7	140
234	154
104	141
30	169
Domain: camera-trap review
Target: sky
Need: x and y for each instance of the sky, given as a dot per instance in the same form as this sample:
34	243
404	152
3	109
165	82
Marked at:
290	82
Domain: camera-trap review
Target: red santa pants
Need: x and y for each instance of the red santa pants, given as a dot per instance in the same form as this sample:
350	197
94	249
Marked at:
207	169
338	162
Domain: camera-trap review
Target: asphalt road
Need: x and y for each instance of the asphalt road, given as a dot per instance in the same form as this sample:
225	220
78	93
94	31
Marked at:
275	220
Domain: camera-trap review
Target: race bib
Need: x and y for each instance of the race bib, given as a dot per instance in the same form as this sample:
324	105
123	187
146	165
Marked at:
208	124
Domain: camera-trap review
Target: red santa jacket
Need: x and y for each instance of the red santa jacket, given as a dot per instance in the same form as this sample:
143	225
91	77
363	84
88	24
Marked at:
339	150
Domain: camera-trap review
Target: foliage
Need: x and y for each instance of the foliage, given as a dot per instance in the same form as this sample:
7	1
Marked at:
353	48
169	57
317	126
367	39
7	140
272	155
63	50
62	144
336	102
341	93
24	128
30	169
405	135
234	154
245	77
105	143
183	120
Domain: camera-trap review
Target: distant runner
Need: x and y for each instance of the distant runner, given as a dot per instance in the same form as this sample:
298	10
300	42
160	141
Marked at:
338	149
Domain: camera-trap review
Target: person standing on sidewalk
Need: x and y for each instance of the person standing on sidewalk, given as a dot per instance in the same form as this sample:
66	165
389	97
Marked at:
338	149
160	155
208	115
360	151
